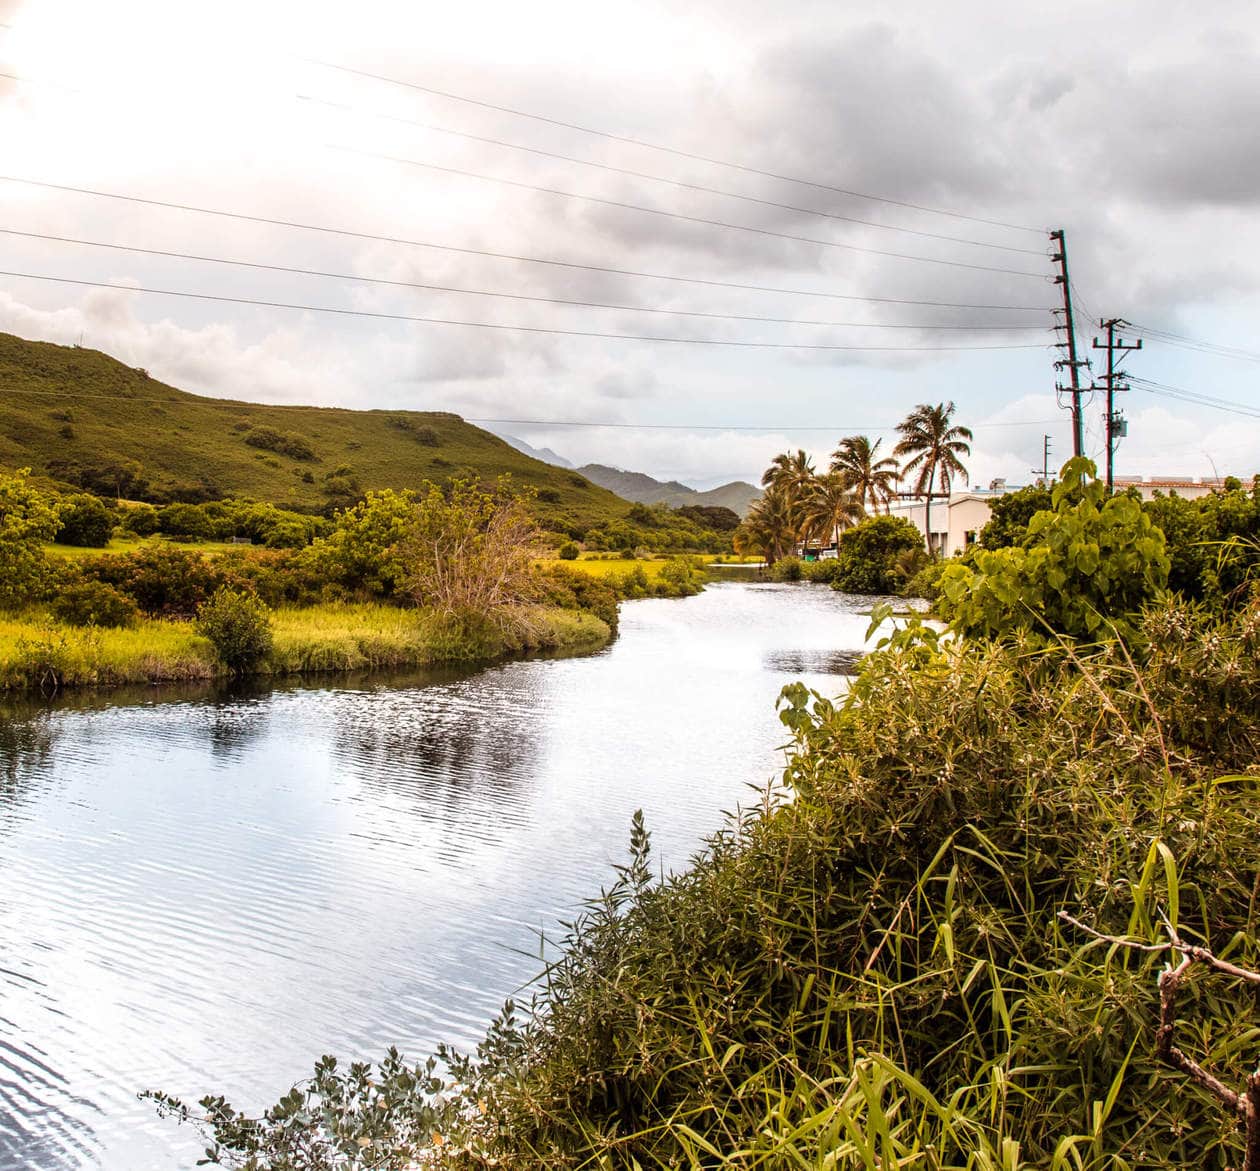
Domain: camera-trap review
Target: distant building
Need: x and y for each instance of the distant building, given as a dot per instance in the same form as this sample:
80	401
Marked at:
956	521
1187	487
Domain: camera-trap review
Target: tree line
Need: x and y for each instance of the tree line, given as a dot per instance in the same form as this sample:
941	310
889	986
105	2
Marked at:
803	507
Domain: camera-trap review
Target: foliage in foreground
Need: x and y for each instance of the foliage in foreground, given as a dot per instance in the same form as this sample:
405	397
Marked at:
874	975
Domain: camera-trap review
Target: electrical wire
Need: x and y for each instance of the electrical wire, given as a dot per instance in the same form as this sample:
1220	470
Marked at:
704	221
348	233
675	151
205	400
1195	397
699	187
925	327
537	329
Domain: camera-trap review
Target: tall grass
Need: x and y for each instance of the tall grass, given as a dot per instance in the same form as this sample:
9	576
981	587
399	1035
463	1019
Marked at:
36	653
874	975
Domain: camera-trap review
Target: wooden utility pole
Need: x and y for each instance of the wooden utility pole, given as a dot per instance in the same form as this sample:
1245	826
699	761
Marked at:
1071	363
1116	426
1045	462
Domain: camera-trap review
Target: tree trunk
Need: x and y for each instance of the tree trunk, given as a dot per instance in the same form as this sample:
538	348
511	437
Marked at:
927	512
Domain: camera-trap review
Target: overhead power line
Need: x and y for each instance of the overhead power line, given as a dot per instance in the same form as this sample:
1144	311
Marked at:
494	325
704	221
699	187
675	151
206	400
351	234
1181	341
925	327
1195	397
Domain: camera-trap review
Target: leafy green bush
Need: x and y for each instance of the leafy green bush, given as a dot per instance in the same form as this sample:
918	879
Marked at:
85	521
164	581
572	589
141	519
93	603
786	569
185	522
28	520
1009	515
1093	561
680	577
269	439
239	626
569	551
878	556
364	551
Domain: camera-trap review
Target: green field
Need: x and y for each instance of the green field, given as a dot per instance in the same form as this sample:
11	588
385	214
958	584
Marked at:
66	410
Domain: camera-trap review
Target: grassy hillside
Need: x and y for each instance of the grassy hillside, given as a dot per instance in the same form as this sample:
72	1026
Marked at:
79	416
736	496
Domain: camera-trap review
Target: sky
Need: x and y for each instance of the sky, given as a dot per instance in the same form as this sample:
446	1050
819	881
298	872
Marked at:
1132	126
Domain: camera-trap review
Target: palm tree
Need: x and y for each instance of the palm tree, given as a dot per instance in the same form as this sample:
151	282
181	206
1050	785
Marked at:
791	474
934	447
830	507
769	528
871	479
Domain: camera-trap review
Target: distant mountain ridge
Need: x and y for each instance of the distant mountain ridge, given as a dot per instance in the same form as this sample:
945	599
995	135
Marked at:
738	496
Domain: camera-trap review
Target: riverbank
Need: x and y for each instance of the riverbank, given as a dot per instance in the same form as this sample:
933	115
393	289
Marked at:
37	653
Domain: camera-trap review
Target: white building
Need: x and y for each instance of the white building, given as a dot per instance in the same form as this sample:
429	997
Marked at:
956	522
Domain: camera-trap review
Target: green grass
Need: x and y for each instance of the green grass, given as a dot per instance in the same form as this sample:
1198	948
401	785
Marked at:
619	567
130	545
124	417
36	652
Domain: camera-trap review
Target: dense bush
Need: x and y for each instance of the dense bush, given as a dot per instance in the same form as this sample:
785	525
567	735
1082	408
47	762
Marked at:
1009	515
28	520
574	590
185	522
878	556
84	521
141	519
364	551
239	626
1087	566
93	603
569	551
164	581
283	443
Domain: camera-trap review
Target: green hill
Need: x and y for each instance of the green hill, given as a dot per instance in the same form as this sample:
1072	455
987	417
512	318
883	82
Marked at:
79	417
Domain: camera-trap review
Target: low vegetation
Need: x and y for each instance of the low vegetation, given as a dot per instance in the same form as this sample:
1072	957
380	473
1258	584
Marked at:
944	950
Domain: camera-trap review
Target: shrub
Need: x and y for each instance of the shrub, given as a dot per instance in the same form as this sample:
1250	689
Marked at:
93	603
28	520
364	552
548	495
572	589
185	522
283	443
85	521
878	556
680	577
239	627
786	569
1091	562
569	551
141	519
164	581
471	553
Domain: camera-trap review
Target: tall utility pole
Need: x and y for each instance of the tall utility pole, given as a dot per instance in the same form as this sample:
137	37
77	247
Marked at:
1113	382
1072	363
1045	462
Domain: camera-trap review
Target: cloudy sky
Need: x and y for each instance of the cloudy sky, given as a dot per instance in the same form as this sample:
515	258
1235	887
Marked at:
1131	125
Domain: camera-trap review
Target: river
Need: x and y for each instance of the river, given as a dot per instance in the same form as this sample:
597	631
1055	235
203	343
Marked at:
204	891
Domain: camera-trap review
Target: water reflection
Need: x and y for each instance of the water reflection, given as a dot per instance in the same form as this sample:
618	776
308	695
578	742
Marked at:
205	891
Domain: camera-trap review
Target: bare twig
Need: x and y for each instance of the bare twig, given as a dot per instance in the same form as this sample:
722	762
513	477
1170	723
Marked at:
1245	1105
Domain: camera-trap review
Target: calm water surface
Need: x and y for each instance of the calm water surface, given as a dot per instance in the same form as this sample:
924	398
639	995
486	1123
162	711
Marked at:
205	893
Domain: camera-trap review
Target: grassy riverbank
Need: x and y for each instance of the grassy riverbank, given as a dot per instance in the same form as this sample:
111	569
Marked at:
35	651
